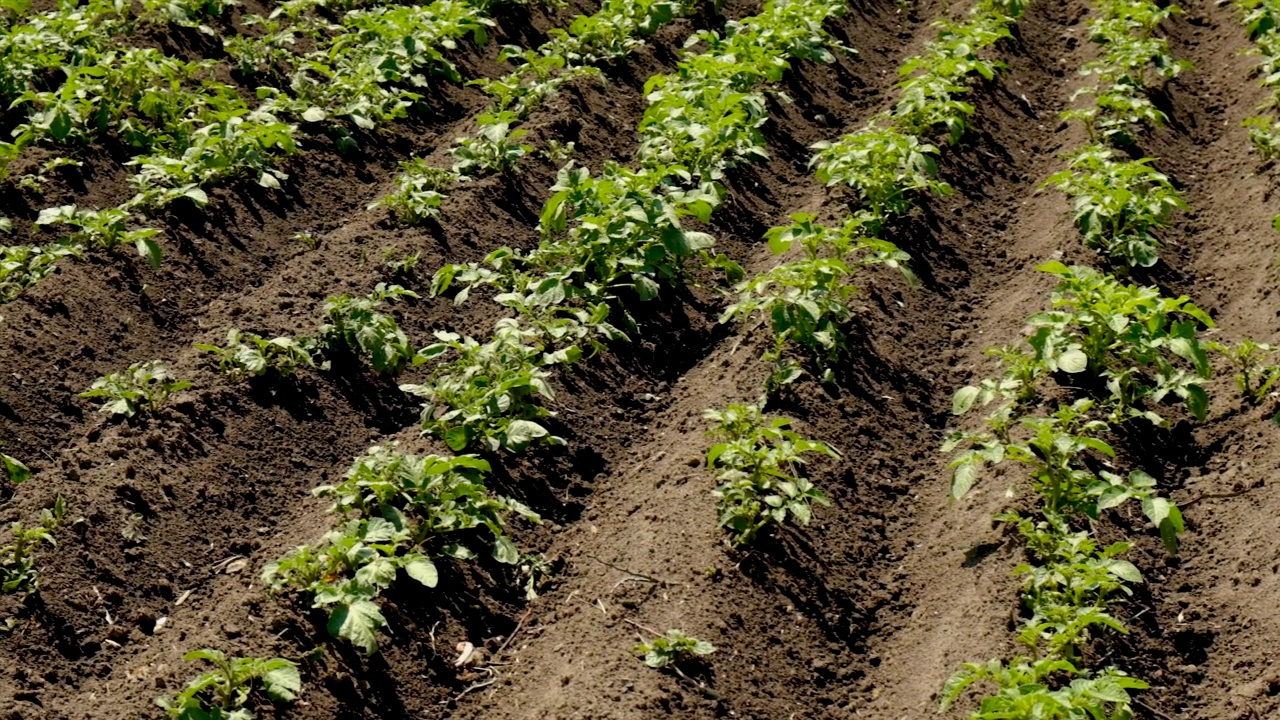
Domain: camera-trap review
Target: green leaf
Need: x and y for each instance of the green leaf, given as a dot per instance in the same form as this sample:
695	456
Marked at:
422	570
522	432
504	551
1073	361
1125	570
150	250
283	683
964	399
358	622
17	472
457	438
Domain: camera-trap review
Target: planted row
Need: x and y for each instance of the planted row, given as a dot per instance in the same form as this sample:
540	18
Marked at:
1122	204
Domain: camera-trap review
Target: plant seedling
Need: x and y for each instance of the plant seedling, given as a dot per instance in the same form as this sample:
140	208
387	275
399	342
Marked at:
143	385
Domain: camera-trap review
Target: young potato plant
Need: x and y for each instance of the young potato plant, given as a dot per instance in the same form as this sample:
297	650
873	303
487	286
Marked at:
672	649
486	394
144	386
420	190
1119	205
1026	689
1070	586
807	300
22	266
882	166
496	148
248	355
934	78
356	325
18	572
104	229
1254	376
1056	450
1143	345
407	513
224	692
757	464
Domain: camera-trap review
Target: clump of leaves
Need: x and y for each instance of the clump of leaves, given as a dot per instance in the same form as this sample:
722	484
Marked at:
1254	376
496	148
807	300
104	229
249	355
18	573
143	386
407	513
420	190
1119	205
672	649
1025	690
486	394
883	166
222	693
355	323
22	266
758	464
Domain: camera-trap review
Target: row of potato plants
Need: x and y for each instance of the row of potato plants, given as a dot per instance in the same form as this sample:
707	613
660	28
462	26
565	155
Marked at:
1261	18
1118	353
612	33
192	130
484	396
1122	204
806	301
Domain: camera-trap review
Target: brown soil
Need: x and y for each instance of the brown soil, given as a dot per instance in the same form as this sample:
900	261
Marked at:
862	614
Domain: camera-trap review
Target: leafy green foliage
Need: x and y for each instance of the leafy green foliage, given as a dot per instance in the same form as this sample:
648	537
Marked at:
407	512
494	149
882	166
757	463
103	229
144	386
355	324
420	190
22	266
1025	689
672	649
487	393
222	693
807	300
1119	205
1254	376
1143	345
18	573
249	355
1131	60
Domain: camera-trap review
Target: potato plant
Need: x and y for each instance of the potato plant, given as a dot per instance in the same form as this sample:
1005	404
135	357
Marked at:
18	572
224	692
420	190
487	394
1119	205
144	386
757	463
401	512
496	148
672	649
356	325
22	266
250	355
807	301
